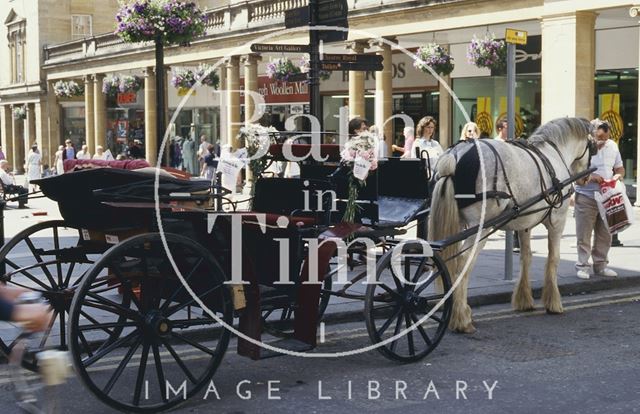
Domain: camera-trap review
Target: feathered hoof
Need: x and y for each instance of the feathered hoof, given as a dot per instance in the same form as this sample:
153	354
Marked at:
555	310
467	329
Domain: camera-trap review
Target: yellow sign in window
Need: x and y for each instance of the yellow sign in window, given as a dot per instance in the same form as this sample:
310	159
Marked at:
517	37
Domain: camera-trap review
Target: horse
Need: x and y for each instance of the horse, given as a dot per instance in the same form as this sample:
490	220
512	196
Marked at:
556	151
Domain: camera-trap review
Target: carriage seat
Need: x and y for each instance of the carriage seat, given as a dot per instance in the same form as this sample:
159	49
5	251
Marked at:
72	165
398	211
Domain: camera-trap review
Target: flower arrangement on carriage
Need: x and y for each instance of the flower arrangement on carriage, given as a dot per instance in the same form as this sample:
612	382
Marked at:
360	154
257	139
282	69
487	52
187	78
68	89
434	56
20	112
172	20
305	67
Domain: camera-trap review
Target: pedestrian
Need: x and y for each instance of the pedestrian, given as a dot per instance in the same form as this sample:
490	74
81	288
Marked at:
382	145
69	152
33	317
203	150
34	162
470	131
357	125
2	156
83	154
588	220
188	155
9	184
175	152
135	150
409	137
501	130
210	163
425	145
59	161
101	154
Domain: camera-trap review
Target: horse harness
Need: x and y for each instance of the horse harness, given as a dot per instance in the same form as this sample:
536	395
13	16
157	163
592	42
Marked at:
553	198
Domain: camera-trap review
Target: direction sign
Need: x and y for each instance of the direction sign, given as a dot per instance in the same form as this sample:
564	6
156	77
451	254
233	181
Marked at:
332	11
359	67
351	58
266	48
296	17
517	37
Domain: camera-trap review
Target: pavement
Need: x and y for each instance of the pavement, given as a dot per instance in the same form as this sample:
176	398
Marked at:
488	284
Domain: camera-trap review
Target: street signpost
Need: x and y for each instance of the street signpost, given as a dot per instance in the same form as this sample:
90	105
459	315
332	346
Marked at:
267	48
513	37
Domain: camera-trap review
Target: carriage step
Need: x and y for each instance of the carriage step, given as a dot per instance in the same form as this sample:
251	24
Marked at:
290	344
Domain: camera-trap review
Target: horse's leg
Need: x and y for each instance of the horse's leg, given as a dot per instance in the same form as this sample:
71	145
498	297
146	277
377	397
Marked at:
522	299
550	293
461	320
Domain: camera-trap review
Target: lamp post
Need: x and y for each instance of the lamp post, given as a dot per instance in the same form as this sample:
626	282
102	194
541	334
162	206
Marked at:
633	12
160	101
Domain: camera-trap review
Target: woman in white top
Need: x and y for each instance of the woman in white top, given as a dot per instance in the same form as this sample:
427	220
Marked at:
425	146
59	162
33	165
470	131
102	155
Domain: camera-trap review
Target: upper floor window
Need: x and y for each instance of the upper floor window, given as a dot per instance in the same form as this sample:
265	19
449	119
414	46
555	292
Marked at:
17	39
81	26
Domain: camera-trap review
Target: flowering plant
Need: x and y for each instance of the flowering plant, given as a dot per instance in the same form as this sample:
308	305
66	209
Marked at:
175	21
257	140
488	53
305	67
20	112
111	85
130	83
435	57
187	78
281	69
64	89
360	152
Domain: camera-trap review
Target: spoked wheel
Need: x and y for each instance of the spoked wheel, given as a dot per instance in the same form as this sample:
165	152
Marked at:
49	258
393	306
143	353
277	316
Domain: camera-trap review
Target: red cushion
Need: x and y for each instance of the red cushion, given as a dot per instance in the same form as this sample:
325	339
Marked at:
70	165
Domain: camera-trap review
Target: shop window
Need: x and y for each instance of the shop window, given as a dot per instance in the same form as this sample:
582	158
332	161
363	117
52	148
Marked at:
81	26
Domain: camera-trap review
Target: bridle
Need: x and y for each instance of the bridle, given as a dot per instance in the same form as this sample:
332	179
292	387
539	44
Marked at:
591	146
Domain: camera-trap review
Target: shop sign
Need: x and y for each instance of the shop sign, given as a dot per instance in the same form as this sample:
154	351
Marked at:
275	92
516	37
127	98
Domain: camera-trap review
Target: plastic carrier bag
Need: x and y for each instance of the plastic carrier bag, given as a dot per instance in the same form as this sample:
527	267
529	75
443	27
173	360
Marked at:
614	206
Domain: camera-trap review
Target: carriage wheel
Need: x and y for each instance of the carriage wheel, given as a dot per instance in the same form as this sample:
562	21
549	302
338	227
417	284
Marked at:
392	306
49	258
277	320
164	342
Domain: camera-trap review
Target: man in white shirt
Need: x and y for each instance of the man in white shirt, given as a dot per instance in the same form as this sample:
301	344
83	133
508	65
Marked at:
83	154
588	221
501	129
9	185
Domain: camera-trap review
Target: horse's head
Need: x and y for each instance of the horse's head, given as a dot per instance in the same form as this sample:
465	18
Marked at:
583	132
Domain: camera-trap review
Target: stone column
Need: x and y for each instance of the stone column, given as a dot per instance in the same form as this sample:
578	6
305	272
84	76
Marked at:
30	129
17	156
250	63
150	114
42	134
384	91
634	12
90	116
444	111
222	94
570	39
100	111
356	84
233	99
52	113
6	131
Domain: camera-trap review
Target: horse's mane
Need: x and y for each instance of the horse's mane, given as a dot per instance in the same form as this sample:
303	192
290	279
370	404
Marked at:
561	131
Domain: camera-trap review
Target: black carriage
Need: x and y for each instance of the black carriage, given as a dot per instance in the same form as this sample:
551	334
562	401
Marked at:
158	287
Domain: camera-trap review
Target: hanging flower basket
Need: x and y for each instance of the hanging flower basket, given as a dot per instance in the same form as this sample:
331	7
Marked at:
305	67
68	89
130	83
434	56
359	153
187	78
175	21
20	112
488	52
111	85
281	69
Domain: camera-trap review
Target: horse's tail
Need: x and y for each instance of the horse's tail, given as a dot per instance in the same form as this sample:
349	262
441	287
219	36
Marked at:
444	217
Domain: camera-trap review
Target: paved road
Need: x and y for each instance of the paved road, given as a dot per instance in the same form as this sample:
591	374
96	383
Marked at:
587	360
